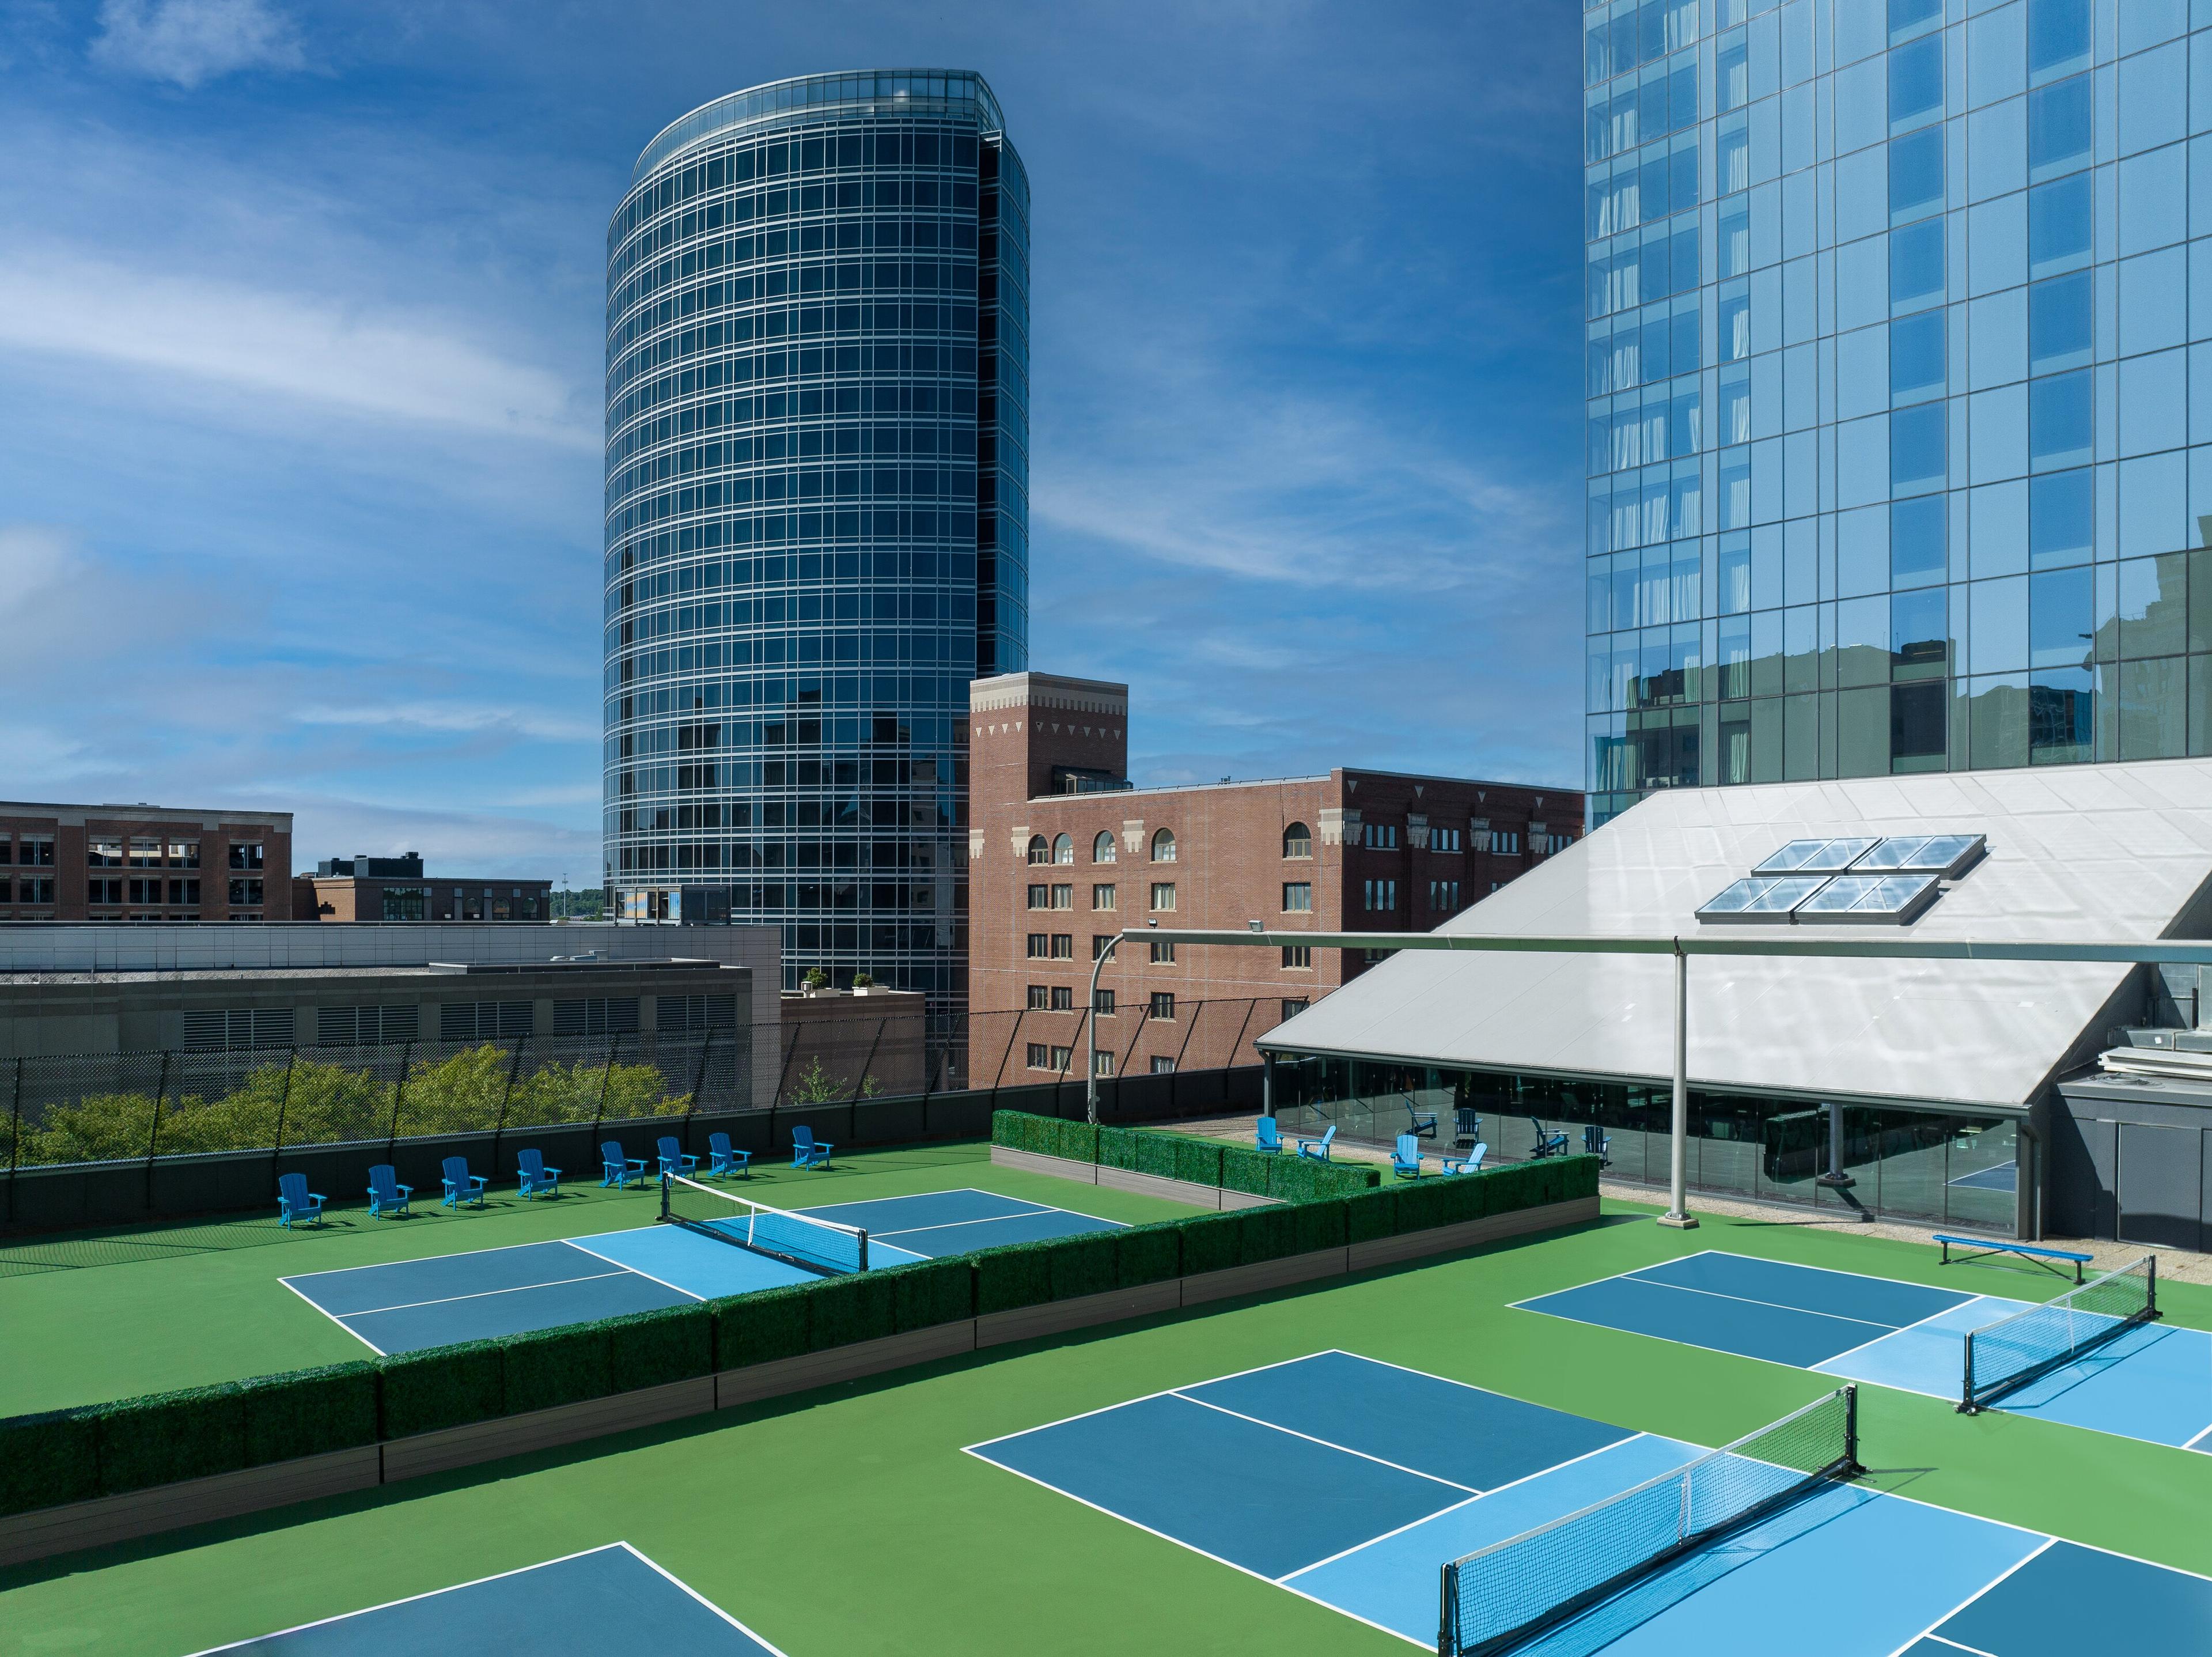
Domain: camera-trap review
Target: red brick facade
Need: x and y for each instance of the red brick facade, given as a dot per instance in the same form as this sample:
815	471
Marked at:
144	862
1379	852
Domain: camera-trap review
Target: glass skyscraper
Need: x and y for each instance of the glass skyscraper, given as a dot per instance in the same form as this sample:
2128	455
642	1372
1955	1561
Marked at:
1892	368
816	519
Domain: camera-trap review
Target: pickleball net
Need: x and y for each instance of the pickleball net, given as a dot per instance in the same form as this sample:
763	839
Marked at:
799	1240
1499	1597
2017	1351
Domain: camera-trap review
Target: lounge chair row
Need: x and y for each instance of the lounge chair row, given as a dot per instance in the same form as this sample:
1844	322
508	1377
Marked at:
387	1196
1405	1159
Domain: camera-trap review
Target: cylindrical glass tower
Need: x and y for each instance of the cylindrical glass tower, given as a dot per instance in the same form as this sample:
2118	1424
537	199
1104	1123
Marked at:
817	511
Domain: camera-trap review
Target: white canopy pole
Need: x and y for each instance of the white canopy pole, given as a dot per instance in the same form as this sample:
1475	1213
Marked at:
1678	1214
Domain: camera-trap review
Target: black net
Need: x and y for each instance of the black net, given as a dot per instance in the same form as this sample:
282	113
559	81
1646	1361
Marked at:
1499	1596
798	1238
2015	1351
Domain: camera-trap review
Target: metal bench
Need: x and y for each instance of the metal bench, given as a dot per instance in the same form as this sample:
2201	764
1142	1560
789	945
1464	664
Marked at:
2034	1254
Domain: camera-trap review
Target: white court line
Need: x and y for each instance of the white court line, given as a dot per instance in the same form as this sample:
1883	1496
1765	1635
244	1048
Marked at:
764	1645
1326	1444
2049	1542
1901	1328
1145	1397
992	1220
1781	1305
975	1451
1509	1484
385	1265
2192	1443
633	1270
334	1318
1945	1640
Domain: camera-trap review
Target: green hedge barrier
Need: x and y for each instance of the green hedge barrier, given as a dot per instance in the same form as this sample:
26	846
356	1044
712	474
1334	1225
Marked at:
47	1459
933	1292
1086	1264
168	1436
652	1349
449	1387
1155	1155
1117	1148
1214	1243
1247	1171
846	1311
549	1367
1076	1141
1197	1161
1011	1276
1147	1254
309	1412
762	1326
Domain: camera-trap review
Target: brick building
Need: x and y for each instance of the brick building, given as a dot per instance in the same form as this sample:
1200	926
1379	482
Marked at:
366	888
142	862
1063	853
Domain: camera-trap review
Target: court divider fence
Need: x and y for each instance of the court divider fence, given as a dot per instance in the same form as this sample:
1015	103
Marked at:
65	1456
1185	1157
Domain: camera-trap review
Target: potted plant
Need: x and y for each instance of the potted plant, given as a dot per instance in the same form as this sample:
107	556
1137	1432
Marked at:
817	982
864	984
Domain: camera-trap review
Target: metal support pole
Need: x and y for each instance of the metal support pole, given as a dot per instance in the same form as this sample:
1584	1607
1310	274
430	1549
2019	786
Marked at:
1678	1215
1835	1176
1267	1084
1091	1028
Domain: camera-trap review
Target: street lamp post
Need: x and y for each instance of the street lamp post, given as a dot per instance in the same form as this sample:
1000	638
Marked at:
1091	1030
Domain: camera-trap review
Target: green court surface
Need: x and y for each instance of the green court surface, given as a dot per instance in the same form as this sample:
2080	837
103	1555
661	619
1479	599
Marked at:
115	1314
848	1520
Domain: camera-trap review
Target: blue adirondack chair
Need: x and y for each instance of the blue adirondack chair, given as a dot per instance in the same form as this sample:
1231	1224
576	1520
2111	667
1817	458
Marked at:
461	1185
538	1179
1271	1136
386	1194
1318	1149
1547	1142
295	1201
722	1160
1597	1142
1424	1123
1471	1163
1406	1160
620	1169
806	1151
672	1159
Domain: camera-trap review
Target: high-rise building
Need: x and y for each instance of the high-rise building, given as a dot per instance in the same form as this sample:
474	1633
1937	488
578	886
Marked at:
816	524
1889	363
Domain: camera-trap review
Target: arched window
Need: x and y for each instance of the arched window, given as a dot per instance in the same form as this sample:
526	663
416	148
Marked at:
1039	851
1297	841
1101	848
1063	849
1164	846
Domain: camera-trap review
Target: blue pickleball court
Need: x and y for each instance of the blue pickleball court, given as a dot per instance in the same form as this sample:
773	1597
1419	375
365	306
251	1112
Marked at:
2154	1382
1351	1483
610	1598
406	1306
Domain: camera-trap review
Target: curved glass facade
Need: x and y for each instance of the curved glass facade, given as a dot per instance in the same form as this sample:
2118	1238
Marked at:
817	522
1890	368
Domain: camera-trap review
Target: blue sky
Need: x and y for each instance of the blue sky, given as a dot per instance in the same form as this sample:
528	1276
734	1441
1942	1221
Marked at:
300	350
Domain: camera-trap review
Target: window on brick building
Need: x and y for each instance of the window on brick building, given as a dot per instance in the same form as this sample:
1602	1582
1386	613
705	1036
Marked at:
1163	847
1040	850
1063	849
1102	1064
145	851
1381	897
103	892
1163	952
1379	836
1102	897
1040	896
1298	955
184	853
1293	1006
1040	945
1101	848
1063	946
1297	841
1063	998
1551	844
1162	1065
1039	998
1505	841
1164	894
1040	1057
1061	1058
35	850
1447	839
1063	897
1298	897
1100	943
246	854
185	891
1163	1004
103	852
1101	1001
1444	894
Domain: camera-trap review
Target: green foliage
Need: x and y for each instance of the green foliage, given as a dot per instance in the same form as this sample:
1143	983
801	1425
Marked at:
309	1412
650	1349
1197	1161
47	1459
1117	1148
1148	1254
1246	1170
1579	1176
860	1306
1018	1274
1155	1155
933	1292
1212	1243
1270	1233
1318	1225
170	1436
762	1326
450	1386
552	1366
1083	1265
816	1086
1019	1130
1076	1141
1370	1215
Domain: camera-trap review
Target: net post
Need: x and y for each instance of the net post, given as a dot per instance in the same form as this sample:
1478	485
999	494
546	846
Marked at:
864	1249
1448	1614
664	1194
1966	1386
2150	1268
1853	1467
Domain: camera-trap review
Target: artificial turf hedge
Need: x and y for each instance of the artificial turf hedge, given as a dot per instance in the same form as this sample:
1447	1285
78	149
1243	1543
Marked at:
1187	1157
72	1455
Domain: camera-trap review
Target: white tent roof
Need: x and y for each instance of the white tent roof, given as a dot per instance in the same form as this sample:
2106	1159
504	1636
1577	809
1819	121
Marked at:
2077	853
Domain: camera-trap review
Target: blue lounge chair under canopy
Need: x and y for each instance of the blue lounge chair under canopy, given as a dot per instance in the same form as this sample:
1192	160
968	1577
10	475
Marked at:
1270	1136
1547	1142
295	1201
1406	1160
1318	1149
386	1195
1471	1163
538	1179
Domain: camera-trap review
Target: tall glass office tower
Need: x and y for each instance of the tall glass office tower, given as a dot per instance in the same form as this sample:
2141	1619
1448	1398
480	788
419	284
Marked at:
1890	356
817	521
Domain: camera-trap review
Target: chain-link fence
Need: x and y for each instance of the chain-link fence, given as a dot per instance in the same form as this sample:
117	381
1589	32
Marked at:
105	1107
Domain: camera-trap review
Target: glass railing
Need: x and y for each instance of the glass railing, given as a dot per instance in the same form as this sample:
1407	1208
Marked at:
887	92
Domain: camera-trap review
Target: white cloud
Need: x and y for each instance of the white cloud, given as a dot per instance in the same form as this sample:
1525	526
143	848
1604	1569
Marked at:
451	716
464	844
188	41
365	361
